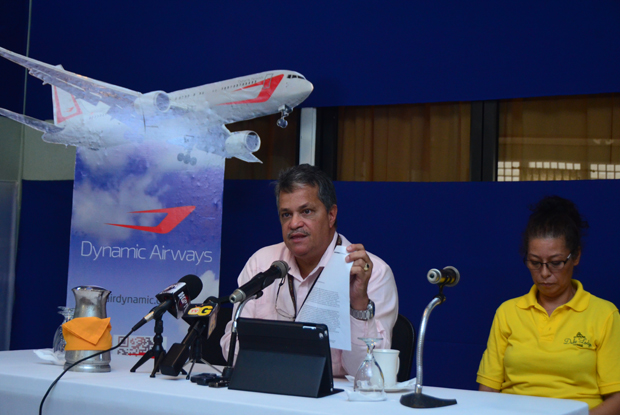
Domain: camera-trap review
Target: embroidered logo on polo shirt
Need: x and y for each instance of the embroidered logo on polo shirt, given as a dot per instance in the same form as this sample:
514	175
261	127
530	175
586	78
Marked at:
578	340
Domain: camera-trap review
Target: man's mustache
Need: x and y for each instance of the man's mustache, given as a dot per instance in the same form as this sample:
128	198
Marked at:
297	233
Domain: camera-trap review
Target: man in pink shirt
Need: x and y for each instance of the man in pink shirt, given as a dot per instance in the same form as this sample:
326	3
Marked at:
306	201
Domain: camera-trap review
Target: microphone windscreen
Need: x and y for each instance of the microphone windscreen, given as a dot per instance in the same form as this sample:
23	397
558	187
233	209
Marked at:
194	285
282	267
454	274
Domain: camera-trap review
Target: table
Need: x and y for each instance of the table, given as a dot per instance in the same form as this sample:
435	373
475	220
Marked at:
24	379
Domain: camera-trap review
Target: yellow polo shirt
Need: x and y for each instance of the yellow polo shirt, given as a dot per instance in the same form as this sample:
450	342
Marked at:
572	354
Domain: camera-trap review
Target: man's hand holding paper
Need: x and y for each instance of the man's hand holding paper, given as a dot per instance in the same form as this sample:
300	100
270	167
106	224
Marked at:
327	302
361	271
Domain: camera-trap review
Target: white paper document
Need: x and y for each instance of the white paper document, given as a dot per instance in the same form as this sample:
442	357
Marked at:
329	301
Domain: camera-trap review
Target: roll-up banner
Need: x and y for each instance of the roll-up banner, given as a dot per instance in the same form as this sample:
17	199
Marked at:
141	221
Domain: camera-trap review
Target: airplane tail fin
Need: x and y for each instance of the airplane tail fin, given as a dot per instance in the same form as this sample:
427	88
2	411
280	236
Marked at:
30	122
65	105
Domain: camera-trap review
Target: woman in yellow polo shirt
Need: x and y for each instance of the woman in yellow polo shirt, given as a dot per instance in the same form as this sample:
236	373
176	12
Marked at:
558	340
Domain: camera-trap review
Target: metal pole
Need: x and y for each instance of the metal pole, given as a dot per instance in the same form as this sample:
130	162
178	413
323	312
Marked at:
420	349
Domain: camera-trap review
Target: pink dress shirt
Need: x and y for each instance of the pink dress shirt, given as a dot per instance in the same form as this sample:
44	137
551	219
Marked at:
381	290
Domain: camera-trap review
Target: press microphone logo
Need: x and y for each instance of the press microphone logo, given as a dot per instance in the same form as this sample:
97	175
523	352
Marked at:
200	311
171	288
174	216
183	301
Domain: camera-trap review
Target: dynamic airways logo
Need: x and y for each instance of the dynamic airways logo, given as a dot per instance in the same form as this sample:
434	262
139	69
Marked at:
174	216
161	253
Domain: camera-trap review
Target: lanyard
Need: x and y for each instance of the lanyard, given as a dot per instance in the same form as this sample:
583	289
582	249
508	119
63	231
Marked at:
291	287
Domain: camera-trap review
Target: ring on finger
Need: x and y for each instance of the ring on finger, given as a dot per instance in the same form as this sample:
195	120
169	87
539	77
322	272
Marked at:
366	267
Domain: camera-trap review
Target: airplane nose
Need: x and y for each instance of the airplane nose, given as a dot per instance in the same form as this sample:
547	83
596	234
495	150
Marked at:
308	88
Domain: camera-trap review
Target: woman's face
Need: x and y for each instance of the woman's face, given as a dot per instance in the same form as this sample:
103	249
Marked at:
551	283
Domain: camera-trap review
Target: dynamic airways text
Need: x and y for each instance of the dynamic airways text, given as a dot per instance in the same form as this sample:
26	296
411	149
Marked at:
156	253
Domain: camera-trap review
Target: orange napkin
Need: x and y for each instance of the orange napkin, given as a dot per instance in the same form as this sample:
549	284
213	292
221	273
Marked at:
87	333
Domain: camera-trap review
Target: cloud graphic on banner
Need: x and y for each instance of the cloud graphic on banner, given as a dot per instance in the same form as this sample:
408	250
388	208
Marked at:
113	183
209	280
210	288
93	207
160	156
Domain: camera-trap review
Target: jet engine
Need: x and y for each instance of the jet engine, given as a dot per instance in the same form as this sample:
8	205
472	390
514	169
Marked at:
242	143
153	102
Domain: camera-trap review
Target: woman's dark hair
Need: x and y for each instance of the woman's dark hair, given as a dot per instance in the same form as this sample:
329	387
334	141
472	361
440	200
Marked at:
554	217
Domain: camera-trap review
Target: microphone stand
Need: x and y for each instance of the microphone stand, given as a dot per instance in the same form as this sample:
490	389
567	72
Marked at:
228	370
417	399
196	350
157	351
197	357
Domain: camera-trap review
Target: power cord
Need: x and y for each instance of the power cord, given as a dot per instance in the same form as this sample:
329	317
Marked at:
79	361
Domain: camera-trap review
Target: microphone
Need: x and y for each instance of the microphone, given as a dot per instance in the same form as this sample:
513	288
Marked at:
260	281
449	276
175	299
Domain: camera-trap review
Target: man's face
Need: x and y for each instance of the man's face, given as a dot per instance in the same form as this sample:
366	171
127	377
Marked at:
307	227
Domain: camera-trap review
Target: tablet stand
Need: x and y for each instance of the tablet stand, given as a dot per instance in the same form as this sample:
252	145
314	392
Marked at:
283	357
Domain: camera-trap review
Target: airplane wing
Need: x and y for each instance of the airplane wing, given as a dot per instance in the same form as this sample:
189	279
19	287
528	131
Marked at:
89	90
31	122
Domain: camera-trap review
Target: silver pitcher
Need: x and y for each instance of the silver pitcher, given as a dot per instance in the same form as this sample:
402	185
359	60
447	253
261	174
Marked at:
90	301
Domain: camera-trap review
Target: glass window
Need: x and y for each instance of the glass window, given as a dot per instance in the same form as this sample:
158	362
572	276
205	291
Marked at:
411	143
559	138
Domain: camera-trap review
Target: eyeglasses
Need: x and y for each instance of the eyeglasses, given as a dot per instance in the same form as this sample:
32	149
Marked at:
551	265
281	312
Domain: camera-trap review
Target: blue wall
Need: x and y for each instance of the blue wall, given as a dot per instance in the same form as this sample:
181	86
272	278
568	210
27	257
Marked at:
355	53
42	265
475	227
13	31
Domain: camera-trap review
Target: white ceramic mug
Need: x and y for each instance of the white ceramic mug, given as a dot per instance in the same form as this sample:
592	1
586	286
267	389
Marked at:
388	362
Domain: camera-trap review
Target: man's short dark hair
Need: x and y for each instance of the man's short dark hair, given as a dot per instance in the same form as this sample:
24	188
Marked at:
295	177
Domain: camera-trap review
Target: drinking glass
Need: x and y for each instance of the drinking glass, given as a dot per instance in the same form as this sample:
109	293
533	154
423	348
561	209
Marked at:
59	339
369	378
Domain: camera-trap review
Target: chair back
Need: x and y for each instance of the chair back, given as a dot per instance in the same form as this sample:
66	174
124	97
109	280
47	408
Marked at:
403	339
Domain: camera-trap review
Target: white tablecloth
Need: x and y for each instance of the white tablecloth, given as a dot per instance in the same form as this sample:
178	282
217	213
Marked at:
24	380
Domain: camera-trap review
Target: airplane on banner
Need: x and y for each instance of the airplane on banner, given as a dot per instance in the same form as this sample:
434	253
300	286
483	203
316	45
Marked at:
94	114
